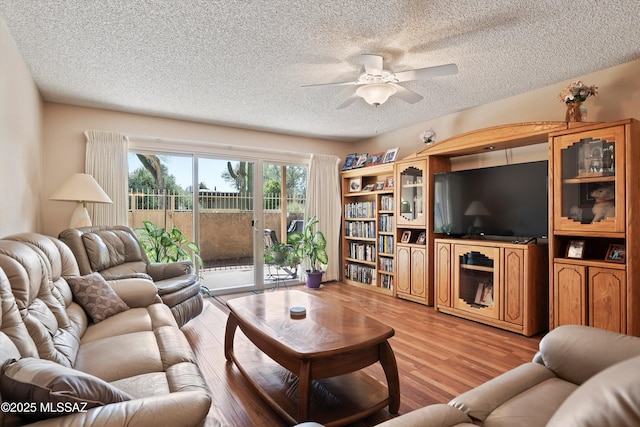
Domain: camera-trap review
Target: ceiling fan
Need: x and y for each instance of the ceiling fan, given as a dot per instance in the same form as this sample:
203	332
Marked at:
376	84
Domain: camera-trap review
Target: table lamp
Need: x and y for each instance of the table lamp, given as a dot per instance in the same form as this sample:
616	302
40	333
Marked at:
81	188
477	209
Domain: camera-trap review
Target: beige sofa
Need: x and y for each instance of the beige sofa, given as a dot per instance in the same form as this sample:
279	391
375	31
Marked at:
115	252
580	377
111	361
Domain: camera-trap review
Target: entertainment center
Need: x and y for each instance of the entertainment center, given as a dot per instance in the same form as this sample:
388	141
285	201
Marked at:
497	244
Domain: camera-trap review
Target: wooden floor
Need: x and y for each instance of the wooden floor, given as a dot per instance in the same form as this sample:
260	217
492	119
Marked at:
438	355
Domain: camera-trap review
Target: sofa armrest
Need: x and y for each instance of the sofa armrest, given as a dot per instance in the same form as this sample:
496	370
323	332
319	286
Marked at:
438	415
576	353
166	270
175	409
479	402
136	292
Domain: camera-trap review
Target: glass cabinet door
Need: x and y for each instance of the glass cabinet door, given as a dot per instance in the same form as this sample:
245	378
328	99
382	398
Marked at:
476	280
590	183
411	185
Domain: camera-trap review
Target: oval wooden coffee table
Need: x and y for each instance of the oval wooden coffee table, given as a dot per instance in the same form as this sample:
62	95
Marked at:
313	369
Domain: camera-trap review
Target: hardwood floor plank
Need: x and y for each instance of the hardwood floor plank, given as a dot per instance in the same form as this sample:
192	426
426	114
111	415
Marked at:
439	356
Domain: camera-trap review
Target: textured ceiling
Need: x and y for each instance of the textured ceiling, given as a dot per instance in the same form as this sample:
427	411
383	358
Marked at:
243	63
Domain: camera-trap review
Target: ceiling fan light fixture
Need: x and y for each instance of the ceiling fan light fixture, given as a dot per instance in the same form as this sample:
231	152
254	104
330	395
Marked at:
376	93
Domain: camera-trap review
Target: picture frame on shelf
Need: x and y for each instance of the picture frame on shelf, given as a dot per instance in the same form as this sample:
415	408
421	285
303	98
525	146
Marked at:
350	161
616	253
484	294
355	184
379	185
406	236
375	158
368	187
575	249
389	182
361	160
422	238
390	155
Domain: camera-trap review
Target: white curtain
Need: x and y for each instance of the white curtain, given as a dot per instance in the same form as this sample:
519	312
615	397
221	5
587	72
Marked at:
323	202
106	161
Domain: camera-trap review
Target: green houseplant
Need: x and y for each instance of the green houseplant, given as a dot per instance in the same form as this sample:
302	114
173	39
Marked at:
167	246
310	245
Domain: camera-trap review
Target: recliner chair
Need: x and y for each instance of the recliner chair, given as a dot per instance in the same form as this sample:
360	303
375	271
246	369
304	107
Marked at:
115	252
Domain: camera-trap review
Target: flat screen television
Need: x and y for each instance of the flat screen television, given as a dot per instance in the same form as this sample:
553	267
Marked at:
508	200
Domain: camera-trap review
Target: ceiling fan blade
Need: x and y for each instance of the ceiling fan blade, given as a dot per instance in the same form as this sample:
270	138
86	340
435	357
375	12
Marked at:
372	64
332	84
407	95
350	100
427	73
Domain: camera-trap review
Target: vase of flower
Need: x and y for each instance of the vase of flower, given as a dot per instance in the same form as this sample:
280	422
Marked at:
573	96
574	114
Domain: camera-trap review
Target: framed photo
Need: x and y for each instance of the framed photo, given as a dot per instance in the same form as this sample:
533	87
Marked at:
406	236
422	238
616	253
350	161
368	187
375	158
484	294
379	185
390	155
361	160
575	249
355	184
388	182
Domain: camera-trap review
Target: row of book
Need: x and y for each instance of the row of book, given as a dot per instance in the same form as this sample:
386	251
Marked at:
362	251
386	281
360	273
364	229
385	244
387	203
360	210
385	264
387	223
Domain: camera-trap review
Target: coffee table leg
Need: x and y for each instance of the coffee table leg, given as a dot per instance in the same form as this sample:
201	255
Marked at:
305	391
388	362
232	324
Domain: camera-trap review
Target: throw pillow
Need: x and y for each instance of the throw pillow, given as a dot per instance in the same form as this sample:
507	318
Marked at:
46	389
95	295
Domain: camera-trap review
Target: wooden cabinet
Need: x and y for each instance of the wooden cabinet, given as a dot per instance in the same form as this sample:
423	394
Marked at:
590	295
411	180
594	175
498	283
411	273
368	240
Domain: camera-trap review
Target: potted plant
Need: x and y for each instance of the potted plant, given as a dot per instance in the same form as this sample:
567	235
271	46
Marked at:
310	245
167	246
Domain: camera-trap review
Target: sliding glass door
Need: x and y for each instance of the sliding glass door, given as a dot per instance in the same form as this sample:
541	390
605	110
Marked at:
234	209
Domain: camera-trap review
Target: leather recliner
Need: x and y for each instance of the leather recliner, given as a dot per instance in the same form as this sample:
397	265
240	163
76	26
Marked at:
116	253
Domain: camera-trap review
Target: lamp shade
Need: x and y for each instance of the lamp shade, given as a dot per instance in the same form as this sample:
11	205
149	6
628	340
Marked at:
376	93
476	208
81	187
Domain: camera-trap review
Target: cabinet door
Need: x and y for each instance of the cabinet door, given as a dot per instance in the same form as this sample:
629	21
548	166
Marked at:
589	181
607	301
476	280
403	269
514	275
418	270
570	295
443	274
411	193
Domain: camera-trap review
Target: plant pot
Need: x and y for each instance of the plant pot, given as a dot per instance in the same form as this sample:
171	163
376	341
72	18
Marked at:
314	279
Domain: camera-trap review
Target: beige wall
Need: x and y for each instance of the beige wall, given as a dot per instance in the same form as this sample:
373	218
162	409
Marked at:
64	145
20	141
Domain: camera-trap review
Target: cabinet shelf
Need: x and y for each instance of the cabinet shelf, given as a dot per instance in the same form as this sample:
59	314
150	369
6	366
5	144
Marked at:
476	267
361	261
590	179
363	239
